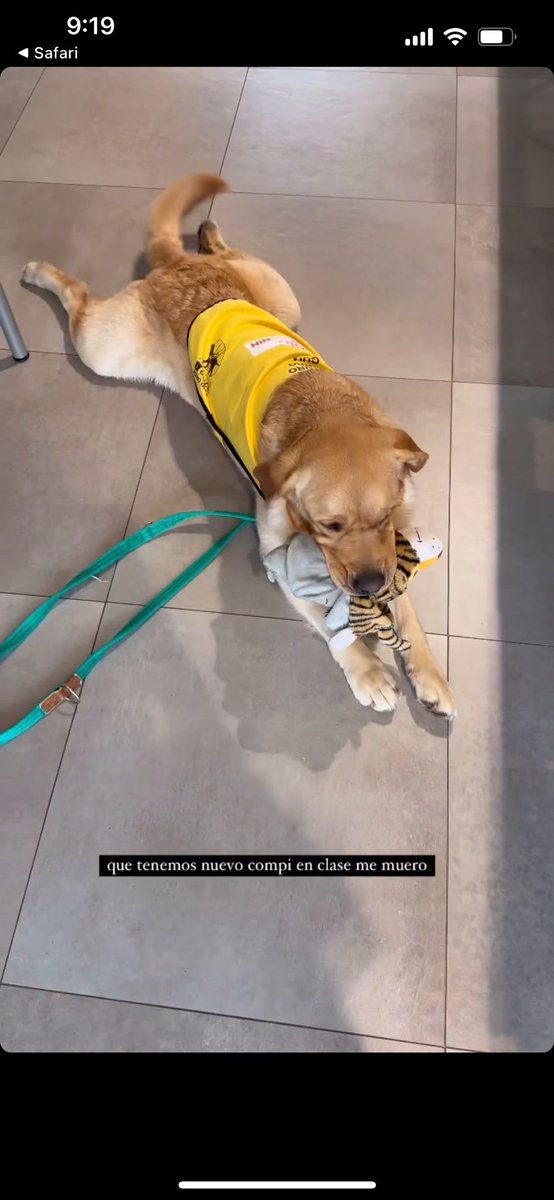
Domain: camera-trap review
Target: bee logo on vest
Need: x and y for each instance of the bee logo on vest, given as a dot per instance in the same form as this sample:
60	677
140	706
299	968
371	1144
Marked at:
205	368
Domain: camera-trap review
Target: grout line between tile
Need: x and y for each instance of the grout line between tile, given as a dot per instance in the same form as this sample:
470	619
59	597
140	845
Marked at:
131	187
401	378
44	596
145	187
214	612
338	197
226	612
469	637
202	1012
448	576
540	387
211	612
230	135
14	127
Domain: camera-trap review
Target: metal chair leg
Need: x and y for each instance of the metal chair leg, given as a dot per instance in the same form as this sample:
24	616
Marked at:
10	329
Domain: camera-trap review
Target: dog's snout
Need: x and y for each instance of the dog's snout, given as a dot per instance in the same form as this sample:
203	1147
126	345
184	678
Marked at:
368	581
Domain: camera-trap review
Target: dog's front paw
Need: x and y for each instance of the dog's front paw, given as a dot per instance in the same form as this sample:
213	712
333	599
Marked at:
432	689
373	684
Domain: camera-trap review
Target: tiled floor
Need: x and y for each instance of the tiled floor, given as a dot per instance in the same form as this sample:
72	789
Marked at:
223	725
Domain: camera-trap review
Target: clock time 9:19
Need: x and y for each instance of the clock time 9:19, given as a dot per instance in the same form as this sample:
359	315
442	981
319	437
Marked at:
77	25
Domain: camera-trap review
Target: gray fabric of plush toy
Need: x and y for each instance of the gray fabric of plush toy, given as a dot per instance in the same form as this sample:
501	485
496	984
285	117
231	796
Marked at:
301	565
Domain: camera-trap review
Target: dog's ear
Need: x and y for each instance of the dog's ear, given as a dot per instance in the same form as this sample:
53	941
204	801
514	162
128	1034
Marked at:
274	476
271	476
407	453
292	417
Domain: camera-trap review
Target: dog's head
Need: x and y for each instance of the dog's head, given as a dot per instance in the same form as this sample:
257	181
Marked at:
342	482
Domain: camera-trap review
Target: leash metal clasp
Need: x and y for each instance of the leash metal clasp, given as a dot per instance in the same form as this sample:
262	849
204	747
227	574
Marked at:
66	691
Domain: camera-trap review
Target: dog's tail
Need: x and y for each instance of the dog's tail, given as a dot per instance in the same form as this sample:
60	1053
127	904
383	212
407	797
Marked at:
164	241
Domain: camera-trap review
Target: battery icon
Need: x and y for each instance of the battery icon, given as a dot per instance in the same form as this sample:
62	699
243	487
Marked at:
496	37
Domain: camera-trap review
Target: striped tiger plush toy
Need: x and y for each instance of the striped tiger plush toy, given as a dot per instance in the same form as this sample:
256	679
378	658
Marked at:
301	566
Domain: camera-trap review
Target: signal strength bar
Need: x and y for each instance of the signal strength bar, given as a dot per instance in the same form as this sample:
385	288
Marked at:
420	39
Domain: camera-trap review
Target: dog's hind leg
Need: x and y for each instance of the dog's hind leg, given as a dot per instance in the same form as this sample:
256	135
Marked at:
72	292
119	337
211	241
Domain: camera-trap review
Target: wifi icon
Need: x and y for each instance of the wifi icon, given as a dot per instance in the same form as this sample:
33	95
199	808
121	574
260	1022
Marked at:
455	35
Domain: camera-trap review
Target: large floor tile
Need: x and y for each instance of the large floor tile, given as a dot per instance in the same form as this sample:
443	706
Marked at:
505	142
374	278
504	295
71	452
95	233
237	734
502	513
187	468
423	409
353	133
500	930
28	765
16	85
136	126
51	1022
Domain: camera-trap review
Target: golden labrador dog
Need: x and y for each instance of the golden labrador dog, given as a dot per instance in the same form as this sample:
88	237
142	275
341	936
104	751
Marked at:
330	463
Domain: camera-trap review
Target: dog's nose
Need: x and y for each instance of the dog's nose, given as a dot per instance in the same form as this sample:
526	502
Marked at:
368	581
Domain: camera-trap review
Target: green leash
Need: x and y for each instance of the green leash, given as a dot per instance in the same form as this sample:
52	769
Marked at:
71	689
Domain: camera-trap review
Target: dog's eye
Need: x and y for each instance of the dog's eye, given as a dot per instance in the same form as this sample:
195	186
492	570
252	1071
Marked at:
332	526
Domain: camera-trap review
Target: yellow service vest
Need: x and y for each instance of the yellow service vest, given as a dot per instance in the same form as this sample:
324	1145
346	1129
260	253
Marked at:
239	354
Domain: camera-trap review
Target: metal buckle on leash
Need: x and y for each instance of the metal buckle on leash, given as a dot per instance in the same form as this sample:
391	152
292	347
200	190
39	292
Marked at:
65	691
